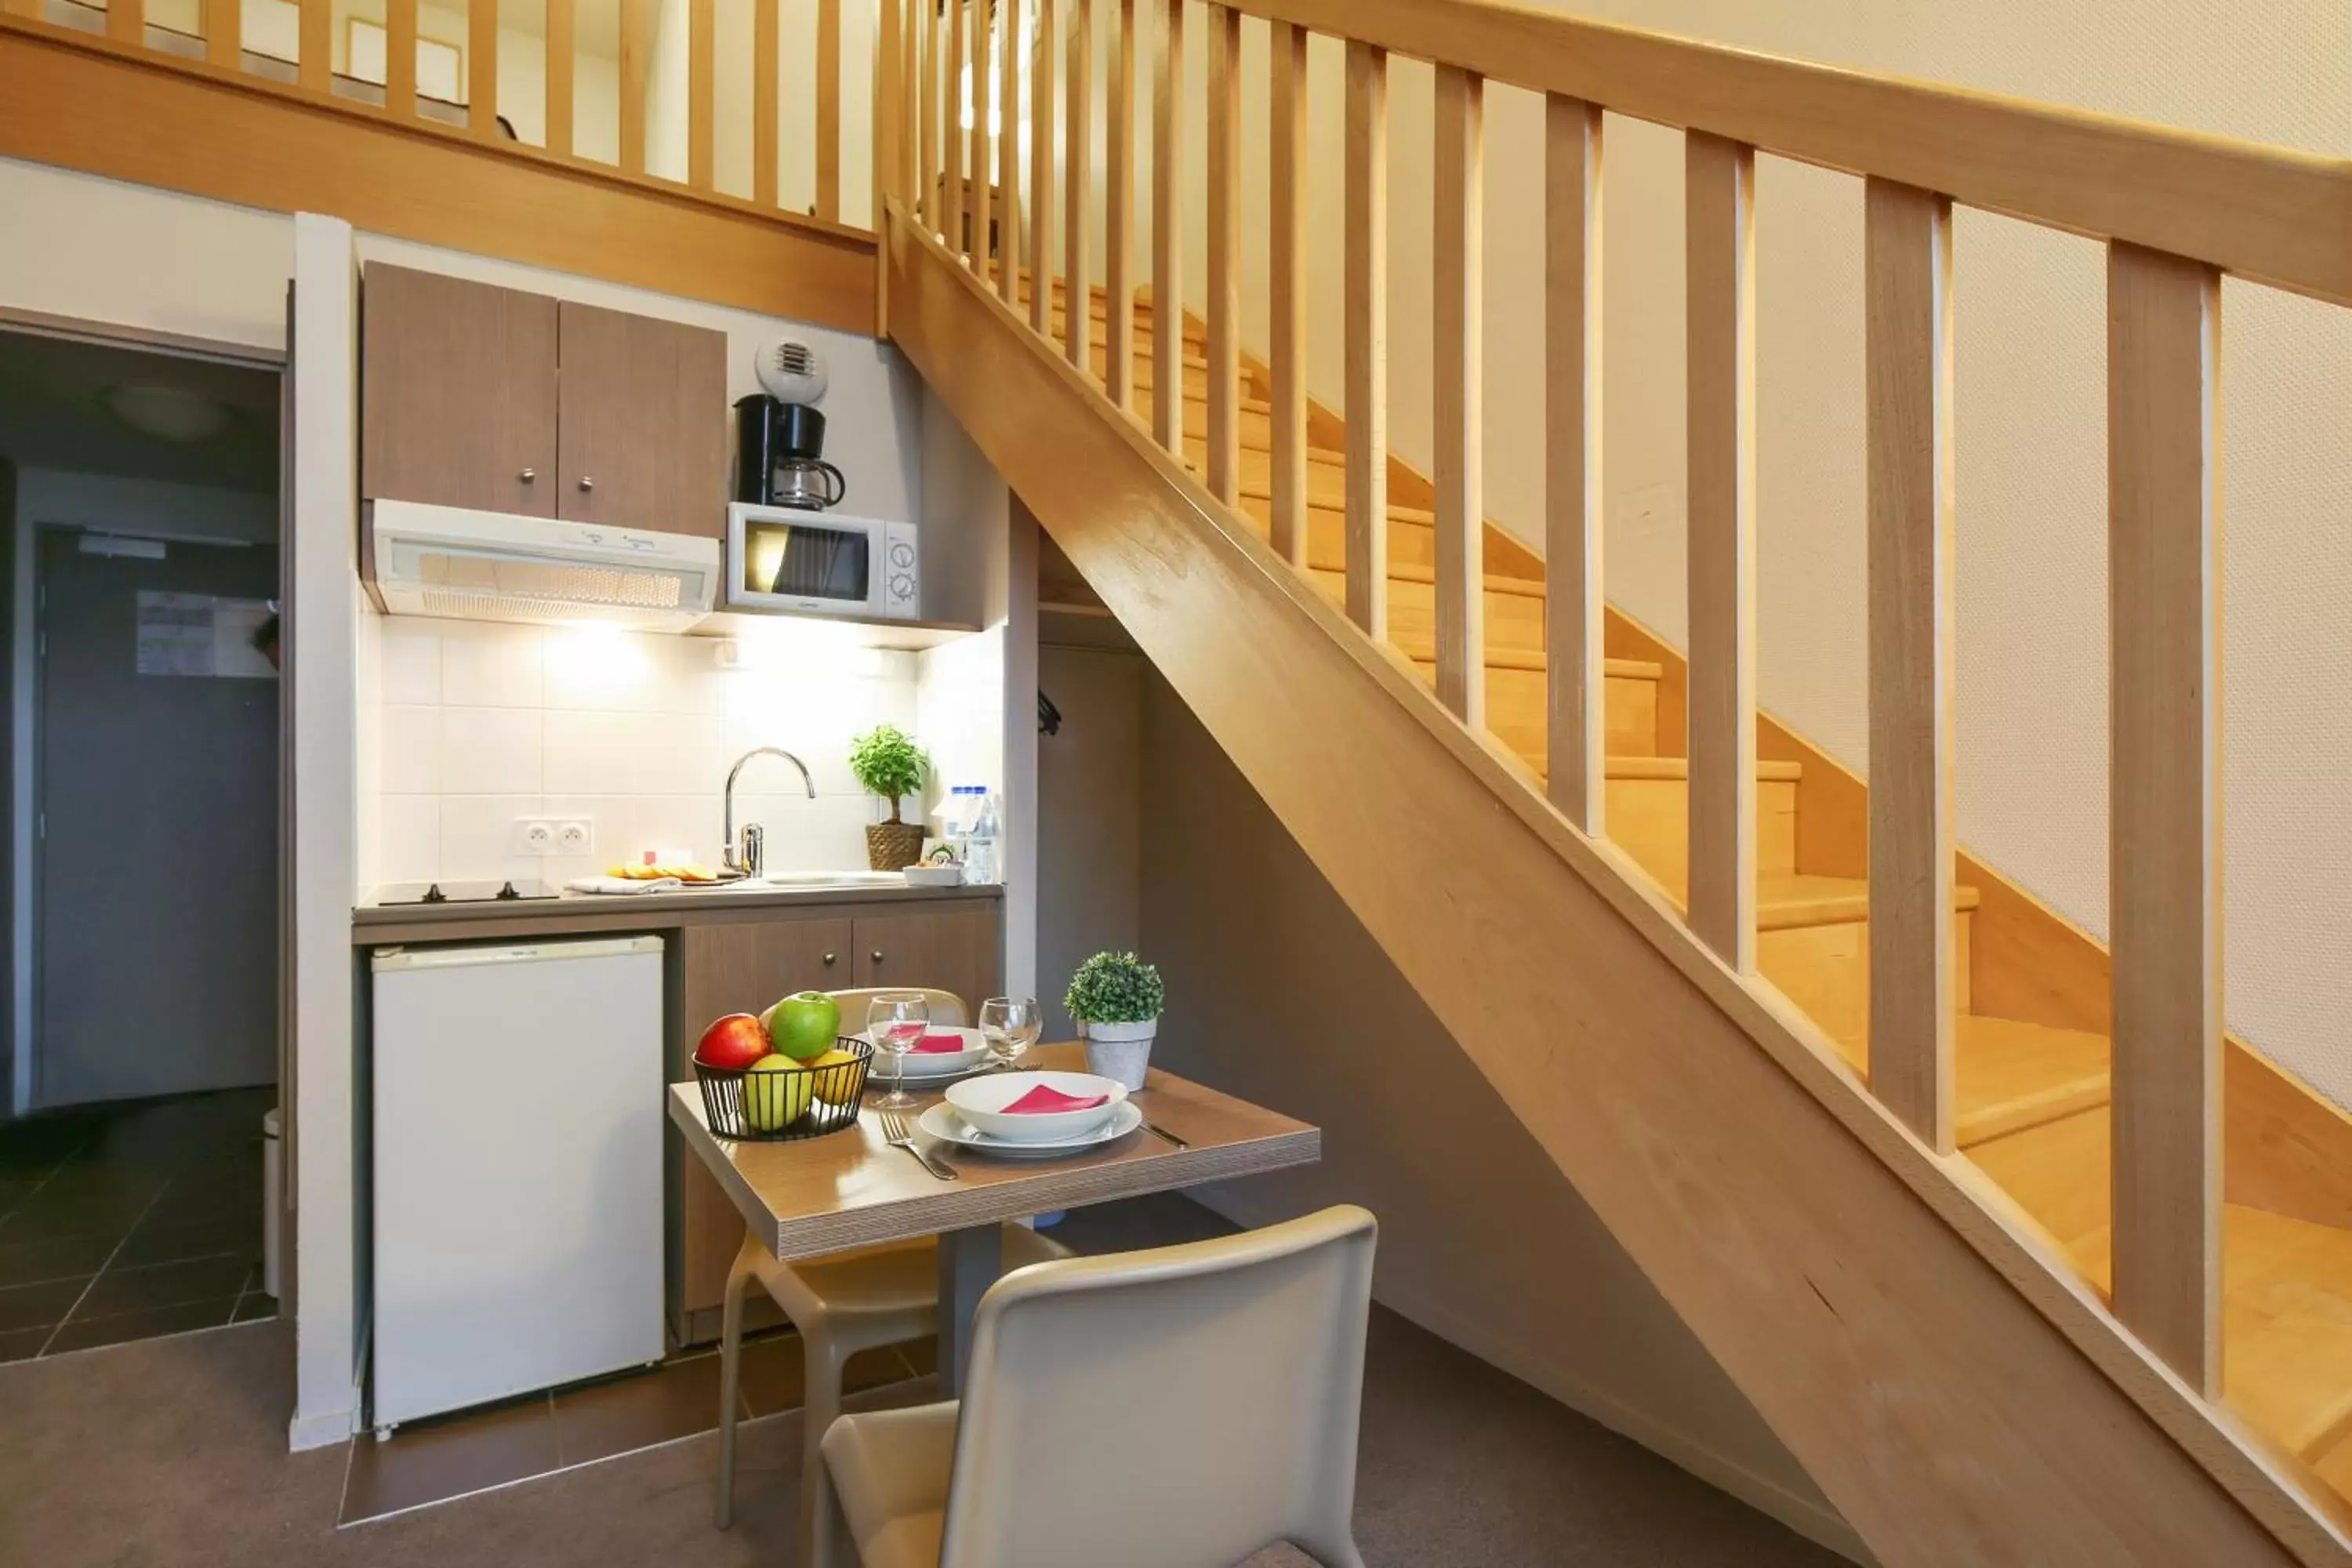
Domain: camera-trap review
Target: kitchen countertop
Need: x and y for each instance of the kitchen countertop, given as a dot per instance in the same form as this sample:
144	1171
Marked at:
374	924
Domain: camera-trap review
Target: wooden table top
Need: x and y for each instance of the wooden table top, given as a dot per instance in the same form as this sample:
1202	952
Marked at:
814	1195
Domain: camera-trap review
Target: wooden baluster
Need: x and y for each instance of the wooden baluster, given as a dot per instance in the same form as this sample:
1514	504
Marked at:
893	106
766	31
1720	274
914	46
1118	215
927	173
1366	401
482	67
225	33
701	92
1907	308
1167	233
1456	324
1286	291
1576	724
1078	162
126	21
952	142
828	109
560	63
314	45
2164	856
983	33
400	58
1224	301
1041	178
636	45
1008	157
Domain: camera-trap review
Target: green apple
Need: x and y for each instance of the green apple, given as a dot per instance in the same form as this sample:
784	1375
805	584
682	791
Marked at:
776	1089
803	1025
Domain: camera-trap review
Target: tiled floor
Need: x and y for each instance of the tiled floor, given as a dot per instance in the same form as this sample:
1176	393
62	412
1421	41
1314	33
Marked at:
126	1221
474	1450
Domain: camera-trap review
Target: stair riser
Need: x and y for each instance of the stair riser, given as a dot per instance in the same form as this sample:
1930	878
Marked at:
1196	376
1633	717
1326	482
1512	620
1826	970
1650	820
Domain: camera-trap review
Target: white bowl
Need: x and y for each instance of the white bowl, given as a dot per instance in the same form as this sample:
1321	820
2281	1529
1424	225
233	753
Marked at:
934	876
935	1064
981	1101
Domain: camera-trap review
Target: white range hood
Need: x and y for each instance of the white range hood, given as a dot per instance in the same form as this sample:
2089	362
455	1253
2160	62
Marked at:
494	566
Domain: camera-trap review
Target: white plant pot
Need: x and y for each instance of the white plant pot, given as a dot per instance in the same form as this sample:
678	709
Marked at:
1121	1052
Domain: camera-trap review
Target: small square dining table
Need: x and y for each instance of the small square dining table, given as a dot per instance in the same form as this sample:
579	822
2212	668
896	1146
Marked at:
803	1197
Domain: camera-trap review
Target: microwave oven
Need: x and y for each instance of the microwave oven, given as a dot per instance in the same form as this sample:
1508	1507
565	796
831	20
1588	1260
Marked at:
788	558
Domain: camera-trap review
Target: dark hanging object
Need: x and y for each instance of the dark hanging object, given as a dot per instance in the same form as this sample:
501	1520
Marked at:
1049	718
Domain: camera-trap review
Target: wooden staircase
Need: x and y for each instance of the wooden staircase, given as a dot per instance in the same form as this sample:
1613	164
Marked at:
2033	1098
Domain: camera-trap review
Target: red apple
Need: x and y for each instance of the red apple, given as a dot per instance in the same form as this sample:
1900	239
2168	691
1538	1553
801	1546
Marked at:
732	1044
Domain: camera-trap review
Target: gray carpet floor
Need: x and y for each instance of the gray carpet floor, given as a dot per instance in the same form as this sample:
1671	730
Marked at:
171	1453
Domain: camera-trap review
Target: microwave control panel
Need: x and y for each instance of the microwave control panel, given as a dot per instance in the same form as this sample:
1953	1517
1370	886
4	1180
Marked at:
901	573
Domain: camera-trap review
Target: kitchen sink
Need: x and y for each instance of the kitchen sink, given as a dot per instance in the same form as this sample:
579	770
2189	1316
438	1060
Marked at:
787	880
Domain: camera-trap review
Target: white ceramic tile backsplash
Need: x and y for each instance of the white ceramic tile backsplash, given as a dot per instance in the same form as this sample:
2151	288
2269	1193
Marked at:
478	725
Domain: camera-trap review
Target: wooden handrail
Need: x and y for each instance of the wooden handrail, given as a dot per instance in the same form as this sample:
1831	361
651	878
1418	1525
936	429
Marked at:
2268	213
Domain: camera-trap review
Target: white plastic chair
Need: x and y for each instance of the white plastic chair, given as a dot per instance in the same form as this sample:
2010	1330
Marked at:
841	1303
1177	1408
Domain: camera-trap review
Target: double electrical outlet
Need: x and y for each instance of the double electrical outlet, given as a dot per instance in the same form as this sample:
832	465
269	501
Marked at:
554	835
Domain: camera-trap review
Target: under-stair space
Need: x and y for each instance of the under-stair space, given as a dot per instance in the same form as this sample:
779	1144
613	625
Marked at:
2031	1097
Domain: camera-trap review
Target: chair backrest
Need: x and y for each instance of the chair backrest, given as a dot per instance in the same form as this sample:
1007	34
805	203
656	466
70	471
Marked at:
947	1007
1178	1406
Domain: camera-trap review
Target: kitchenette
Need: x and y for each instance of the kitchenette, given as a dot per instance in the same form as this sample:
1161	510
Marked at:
629	620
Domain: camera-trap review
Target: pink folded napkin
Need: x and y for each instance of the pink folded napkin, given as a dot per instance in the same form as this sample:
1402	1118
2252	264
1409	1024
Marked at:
1044	1098
937	1044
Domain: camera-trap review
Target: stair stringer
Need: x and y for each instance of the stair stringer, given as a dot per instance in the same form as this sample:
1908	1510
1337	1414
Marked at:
1956	1393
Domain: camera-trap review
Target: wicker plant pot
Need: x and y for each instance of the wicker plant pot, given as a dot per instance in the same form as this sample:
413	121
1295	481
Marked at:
893	846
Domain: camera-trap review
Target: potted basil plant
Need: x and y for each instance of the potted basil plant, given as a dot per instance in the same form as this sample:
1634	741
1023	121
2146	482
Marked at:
887	761
1116	997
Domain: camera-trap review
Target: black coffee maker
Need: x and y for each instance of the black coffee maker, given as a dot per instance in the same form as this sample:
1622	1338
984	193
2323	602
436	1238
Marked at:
779	458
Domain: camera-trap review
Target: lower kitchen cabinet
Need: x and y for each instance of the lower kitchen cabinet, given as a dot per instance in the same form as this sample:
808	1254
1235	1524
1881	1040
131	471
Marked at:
741	966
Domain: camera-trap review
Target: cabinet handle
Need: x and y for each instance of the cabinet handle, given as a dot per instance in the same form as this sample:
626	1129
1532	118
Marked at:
528	475
586	483
878	955
830	957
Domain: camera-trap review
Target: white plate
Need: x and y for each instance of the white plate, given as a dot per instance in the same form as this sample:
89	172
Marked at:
942	1123
982	1102
931	1066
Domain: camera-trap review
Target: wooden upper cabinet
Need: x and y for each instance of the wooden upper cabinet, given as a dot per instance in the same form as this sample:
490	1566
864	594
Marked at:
643	422
458	392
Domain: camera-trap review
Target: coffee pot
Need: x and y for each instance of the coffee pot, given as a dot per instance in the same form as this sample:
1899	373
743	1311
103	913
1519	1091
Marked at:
779	456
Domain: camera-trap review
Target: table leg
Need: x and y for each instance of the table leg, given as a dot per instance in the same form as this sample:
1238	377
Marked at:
970	1261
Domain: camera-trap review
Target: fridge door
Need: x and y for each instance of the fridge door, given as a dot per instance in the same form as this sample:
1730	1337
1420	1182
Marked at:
518	1176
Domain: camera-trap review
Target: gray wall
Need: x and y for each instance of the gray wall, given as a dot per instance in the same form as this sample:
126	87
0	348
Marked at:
1277	993
7	776
1090	803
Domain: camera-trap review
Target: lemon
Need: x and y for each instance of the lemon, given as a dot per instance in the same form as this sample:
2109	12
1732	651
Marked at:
776	1090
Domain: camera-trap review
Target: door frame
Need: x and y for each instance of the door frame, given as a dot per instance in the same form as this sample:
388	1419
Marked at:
20	575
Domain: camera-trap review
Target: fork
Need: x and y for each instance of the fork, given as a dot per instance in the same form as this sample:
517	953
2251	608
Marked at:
895	1132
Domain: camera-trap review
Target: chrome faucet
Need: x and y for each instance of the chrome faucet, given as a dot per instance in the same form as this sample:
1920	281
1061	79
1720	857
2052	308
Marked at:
751	858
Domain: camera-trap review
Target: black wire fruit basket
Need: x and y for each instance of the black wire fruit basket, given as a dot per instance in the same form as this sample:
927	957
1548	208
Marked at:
772	1104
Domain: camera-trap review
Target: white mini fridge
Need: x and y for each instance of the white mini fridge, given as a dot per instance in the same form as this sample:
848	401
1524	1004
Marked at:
518	1169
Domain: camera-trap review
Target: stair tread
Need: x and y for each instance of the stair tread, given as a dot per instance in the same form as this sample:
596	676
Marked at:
1532	658
2286	1283
1679	767
1786	900
2012	1075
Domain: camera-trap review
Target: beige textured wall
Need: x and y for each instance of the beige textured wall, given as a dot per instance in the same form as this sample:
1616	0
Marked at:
2029	356
1277	994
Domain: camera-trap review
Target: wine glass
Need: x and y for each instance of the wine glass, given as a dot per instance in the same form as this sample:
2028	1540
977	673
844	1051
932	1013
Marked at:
894	1022
1011	1024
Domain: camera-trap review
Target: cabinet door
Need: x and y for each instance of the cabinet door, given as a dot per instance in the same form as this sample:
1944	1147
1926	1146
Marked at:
952	948
458	392
642	426
734	968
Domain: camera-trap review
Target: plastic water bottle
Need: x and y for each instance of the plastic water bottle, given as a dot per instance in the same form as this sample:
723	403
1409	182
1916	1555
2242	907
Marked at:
979	864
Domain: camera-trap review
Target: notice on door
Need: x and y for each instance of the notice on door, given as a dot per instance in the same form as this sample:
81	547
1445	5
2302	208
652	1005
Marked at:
202	634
